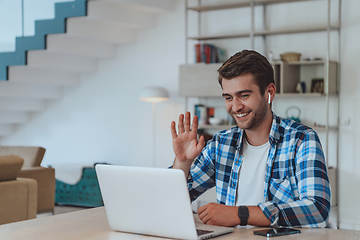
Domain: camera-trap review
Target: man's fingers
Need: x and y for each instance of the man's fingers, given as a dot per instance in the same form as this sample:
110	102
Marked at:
206	219
211	222
181	124
201	209
173	130
201	143
201	214
195	124
187	121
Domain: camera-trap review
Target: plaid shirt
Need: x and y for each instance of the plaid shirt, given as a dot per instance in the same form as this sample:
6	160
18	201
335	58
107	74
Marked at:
296	189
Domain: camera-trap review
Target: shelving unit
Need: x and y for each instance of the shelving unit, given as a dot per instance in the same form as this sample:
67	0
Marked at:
265	33
239	5
288	75
200	80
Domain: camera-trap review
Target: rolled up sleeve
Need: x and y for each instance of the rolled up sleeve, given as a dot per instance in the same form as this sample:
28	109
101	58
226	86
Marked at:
313	205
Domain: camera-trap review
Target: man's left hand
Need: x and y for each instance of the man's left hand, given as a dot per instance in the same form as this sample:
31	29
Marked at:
219	214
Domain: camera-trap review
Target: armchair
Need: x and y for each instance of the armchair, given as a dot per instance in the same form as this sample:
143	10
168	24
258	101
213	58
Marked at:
45	176
18	199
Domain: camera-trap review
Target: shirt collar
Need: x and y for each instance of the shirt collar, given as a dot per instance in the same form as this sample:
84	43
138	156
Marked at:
276	131
275	135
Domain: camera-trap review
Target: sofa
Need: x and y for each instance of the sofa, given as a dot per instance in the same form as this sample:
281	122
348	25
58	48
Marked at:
18	199
45	176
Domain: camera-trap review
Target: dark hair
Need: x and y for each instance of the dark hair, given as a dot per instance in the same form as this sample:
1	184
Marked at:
248	61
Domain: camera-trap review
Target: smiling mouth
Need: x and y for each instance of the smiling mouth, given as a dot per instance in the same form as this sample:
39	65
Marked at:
241	115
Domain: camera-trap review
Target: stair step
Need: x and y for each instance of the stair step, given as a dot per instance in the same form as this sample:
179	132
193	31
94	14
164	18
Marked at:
21	104
66	44
38	76
25	90
70	9
10	58
49	26
57	61
124	15
11	117
30	42
98	30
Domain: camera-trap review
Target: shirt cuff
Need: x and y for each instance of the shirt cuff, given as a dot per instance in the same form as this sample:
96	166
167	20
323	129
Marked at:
271	211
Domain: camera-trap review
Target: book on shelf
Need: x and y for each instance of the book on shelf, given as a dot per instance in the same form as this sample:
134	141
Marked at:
209	53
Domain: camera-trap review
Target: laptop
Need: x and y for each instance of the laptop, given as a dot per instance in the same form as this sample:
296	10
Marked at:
150	201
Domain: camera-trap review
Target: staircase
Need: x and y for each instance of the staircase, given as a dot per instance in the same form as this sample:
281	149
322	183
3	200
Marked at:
82	33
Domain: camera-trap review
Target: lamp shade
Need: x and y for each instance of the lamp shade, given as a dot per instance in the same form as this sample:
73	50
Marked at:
154	94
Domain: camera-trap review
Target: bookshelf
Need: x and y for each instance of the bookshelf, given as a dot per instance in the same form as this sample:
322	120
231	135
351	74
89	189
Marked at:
200	80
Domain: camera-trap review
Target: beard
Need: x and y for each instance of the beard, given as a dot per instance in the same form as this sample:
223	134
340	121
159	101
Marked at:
254	118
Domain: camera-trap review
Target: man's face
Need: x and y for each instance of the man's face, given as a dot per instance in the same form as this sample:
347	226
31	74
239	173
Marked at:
244	102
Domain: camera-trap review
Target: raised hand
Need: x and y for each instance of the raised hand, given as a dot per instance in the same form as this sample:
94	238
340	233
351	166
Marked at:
185	143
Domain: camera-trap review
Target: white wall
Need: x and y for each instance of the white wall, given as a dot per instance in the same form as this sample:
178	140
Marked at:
103	119
349	112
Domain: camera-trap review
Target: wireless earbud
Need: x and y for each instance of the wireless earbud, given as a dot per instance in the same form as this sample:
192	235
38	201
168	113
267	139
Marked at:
269	98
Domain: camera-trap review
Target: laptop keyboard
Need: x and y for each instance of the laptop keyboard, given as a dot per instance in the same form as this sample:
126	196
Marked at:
202	232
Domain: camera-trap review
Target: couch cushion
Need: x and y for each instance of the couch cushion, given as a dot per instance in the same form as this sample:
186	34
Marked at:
45	178
18	200
32	155
9	167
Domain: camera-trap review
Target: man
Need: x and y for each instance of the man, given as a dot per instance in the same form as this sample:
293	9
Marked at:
267	170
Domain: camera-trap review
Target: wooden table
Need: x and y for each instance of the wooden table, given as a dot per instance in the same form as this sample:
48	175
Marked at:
91	224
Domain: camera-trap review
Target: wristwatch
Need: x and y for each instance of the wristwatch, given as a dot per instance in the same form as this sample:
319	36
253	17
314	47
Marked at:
243	213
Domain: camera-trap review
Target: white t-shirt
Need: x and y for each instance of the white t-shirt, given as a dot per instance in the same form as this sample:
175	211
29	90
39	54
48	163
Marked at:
250	191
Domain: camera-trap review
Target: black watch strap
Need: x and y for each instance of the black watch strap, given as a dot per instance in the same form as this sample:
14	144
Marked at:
243	213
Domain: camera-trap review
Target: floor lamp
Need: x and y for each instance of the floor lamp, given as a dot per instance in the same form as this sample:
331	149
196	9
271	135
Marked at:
154	95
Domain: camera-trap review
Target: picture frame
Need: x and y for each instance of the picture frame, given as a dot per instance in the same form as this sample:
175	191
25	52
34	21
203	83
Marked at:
317	85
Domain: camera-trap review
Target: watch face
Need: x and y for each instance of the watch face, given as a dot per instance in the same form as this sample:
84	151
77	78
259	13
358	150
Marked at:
243	213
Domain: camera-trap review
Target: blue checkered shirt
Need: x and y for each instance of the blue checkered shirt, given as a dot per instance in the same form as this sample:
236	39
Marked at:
296	192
